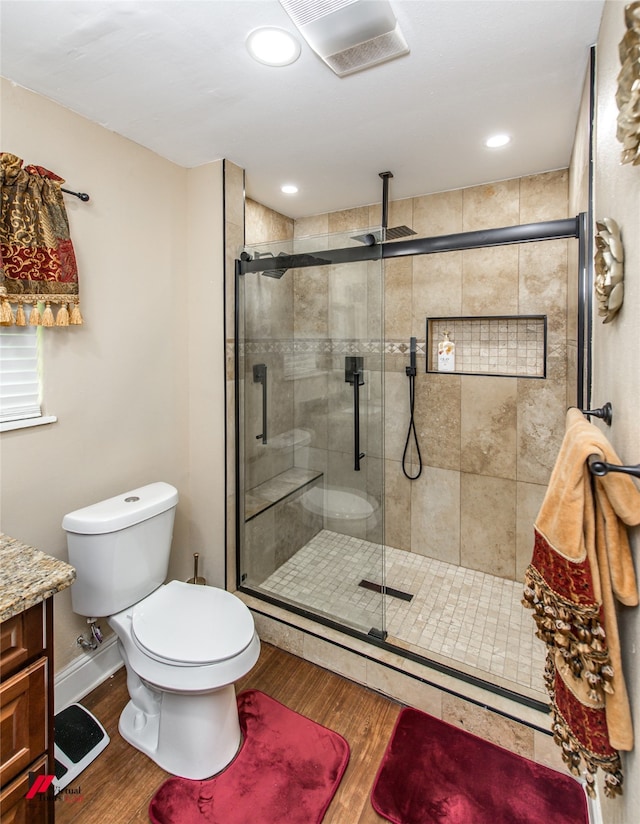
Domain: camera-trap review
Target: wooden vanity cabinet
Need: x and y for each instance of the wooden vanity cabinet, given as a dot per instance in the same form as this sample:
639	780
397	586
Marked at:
26	715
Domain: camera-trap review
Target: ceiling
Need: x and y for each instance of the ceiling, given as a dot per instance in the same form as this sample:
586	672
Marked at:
175	77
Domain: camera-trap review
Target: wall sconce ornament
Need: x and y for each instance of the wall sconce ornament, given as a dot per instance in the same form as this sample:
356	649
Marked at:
628	94
609	268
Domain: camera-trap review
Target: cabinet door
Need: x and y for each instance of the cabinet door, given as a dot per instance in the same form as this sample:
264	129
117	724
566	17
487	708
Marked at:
21	640
23	725
16	808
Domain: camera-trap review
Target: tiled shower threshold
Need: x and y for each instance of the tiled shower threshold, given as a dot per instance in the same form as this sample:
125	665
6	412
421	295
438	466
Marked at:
458	619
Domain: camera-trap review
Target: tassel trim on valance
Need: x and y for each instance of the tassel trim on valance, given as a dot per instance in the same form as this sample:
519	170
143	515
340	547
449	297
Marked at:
67	312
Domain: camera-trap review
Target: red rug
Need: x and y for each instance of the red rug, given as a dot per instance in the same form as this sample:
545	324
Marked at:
435	773
286	772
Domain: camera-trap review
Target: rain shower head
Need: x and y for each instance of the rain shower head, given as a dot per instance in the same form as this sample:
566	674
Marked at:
396	232
292	262
371	238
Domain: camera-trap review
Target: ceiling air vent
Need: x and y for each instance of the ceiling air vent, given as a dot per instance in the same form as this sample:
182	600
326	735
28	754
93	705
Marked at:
349	35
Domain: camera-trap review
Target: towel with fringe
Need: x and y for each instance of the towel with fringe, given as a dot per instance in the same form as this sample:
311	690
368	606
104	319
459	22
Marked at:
581	565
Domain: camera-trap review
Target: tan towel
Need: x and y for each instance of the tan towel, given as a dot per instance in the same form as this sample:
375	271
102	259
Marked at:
581	563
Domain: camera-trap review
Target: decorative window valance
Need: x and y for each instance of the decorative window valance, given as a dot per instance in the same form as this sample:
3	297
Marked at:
37	261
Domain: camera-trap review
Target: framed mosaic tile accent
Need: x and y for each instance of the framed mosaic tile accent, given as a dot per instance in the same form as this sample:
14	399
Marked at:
496	345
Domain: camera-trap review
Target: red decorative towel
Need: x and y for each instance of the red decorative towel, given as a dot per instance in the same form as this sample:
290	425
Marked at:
581	565
287	772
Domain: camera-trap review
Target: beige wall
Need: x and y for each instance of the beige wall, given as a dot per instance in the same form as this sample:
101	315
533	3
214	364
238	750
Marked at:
616	348
129	410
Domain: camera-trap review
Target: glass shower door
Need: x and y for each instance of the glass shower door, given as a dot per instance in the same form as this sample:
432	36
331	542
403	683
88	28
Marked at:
310	358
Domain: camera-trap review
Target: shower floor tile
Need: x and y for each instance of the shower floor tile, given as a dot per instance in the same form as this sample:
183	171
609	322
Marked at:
469	619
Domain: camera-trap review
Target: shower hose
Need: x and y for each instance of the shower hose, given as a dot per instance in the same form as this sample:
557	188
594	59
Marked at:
411	374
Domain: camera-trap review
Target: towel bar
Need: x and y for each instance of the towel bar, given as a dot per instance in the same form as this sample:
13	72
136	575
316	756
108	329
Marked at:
600	468
605	413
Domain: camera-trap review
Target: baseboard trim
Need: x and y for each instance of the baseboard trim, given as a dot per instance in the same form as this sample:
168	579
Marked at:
84	673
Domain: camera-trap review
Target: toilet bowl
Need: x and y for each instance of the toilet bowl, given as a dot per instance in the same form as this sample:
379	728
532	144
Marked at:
181	674
183	646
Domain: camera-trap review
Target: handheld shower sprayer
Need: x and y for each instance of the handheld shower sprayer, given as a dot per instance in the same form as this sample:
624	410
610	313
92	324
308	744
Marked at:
411	371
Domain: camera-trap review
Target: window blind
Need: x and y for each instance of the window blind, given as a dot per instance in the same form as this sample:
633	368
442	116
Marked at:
19	373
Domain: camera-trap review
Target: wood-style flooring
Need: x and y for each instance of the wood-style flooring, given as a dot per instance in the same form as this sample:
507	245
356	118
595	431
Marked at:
117	787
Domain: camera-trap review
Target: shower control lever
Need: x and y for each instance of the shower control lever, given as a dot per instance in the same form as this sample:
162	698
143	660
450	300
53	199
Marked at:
260	376
353	369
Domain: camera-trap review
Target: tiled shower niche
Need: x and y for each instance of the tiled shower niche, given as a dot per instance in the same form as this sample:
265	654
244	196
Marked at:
509	345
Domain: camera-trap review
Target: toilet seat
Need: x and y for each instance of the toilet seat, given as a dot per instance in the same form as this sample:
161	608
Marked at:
185	625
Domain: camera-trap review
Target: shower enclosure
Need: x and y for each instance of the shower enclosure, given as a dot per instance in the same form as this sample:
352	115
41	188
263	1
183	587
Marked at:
327	525
310	363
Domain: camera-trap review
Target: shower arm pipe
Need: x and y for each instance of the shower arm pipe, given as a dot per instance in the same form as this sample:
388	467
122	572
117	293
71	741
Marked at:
482	239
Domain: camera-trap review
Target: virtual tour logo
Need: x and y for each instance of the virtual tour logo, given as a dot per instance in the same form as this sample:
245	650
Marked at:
41	786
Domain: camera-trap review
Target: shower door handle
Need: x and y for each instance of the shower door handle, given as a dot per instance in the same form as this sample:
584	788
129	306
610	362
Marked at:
353	375
260	376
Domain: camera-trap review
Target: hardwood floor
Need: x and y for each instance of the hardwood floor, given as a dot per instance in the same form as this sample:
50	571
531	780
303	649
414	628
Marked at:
117	787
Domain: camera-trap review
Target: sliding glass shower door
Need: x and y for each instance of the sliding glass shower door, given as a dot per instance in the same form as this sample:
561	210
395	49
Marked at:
310	431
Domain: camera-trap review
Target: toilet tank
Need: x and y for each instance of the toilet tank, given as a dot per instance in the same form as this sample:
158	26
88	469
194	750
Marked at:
120	548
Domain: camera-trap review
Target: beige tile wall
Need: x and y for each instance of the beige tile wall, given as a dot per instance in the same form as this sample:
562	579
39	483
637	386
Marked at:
488	443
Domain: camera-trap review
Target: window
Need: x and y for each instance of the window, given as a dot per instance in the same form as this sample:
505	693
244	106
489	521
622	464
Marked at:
20	384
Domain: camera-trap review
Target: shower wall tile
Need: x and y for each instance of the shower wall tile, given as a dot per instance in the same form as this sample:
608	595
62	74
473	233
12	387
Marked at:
294	526
544	196
488	543
572	373
435	514
268	308
490	281
438	214
264	225
279	633
348	287
491	205
234	193
260	535
397	499
313	225
310	303
542	285
437	288
437	418
541	416
335	659
488	426
396	395
404	688
528	503
311	408
547	752
489	725
398	303
234	242
349	220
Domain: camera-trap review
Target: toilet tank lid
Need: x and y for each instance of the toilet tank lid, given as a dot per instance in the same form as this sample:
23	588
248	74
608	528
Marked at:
123	510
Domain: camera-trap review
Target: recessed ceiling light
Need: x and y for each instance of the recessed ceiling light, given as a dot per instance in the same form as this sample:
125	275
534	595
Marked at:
289	189
496	141
273	47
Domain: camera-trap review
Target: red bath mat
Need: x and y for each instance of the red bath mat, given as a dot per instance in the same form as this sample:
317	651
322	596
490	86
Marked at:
286	772
435	773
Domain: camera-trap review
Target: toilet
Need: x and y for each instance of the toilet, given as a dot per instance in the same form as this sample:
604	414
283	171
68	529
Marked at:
184	646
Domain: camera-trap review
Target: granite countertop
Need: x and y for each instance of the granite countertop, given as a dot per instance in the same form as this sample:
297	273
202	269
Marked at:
28	576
